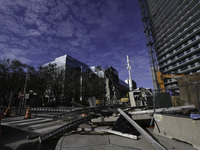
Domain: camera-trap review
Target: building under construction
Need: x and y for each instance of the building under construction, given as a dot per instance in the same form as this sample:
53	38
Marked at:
172	30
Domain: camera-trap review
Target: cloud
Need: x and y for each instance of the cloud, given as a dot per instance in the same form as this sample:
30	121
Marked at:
95	32
32	32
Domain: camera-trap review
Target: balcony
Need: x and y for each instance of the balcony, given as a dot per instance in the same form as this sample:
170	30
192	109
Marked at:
189	65
155	11
175	59
183	47
179	39
186	36
176	18
165	12
174	14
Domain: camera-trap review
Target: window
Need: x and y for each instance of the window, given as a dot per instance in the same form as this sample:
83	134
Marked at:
182	61
184	36
186	43
185	68
181	31
196	46
181	54
193	65
188	25
174	65
193	39
188	51
173	59
190	58
190	32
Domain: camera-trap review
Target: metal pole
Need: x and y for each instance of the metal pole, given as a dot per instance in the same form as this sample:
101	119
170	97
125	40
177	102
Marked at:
197	94
154	107
10	99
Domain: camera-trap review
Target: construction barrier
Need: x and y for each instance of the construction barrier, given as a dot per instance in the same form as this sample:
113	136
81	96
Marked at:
7	113
83	115
28	114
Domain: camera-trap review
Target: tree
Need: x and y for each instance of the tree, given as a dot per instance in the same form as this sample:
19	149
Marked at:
72	85
4	77
93	86
12	77
53	80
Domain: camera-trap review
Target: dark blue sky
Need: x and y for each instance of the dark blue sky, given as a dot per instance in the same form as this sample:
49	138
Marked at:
96	32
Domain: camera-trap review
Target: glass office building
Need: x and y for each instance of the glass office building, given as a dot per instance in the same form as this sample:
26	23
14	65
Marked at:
67	62
73	77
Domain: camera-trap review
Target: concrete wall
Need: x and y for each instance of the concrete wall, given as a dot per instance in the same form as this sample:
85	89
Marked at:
181	128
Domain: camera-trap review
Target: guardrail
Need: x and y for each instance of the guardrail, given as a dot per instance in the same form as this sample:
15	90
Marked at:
80	111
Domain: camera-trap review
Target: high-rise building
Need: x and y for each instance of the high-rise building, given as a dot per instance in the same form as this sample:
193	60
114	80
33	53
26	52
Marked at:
175	32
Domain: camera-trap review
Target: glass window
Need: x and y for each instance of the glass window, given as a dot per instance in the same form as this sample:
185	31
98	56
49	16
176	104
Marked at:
193	39
196	46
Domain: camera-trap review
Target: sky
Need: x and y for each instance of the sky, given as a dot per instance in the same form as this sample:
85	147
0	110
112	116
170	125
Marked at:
95	32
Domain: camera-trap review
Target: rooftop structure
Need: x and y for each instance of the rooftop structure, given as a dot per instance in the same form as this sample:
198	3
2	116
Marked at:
98	71
68	62
175	35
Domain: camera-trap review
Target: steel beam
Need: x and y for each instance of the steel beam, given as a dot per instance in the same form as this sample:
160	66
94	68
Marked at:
65	127
142	131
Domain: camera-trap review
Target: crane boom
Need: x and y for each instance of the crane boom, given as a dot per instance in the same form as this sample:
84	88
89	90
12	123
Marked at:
160	78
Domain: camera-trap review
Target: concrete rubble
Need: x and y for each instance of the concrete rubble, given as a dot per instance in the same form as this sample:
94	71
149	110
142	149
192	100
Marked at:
113	129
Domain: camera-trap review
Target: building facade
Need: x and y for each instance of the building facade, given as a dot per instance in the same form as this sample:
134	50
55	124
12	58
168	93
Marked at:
175	27
67	62
73	77
115	87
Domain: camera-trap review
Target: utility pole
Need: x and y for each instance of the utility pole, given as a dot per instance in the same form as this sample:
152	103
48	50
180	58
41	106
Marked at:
25	90
129	72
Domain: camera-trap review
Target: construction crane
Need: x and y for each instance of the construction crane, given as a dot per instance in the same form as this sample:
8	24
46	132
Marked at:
161	76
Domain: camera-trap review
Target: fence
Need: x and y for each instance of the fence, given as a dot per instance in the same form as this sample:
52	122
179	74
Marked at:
181	95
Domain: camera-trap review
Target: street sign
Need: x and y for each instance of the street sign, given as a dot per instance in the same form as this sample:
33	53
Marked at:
21	94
